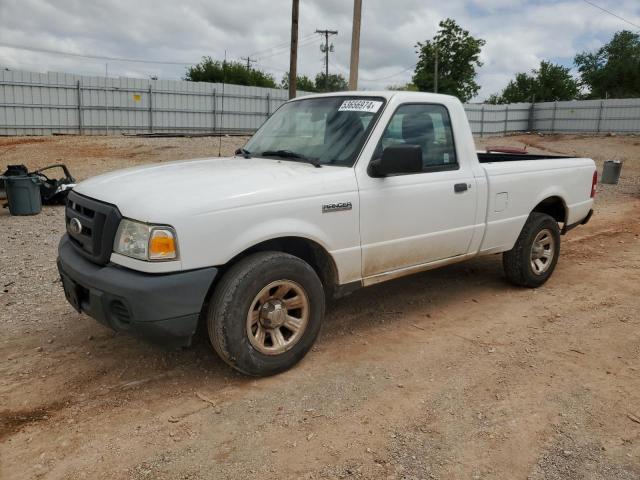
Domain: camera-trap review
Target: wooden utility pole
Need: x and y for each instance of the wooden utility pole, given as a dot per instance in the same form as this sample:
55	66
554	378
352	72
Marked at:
355	45
293	58
435	72
326	49
249	61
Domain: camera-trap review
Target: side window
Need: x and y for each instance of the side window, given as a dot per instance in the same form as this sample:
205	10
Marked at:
427	126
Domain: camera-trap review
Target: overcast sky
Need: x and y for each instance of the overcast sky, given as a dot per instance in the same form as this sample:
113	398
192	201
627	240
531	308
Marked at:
519	34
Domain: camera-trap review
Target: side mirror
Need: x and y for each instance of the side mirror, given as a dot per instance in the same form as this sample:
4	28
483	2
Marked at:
397	159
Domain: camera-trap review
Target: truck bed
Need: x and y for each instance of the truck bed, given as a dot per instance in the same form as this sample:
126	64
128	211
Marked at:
493	157
517	182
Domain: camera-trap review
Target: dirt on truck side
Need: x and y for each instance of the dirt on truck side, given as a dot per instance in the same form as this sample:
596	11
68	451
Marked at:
447	374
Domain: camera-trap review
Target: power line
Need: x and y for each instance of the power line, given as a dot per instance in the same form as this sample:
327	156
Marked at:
93	57
342	69
248	60
269	67
38	67
308	39
611	13
279	46
303	43
124	59
338	67
388	76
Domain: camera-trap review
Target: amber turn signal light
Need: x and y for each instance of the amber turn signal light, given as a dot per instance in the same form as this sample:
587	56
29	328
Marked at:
162	245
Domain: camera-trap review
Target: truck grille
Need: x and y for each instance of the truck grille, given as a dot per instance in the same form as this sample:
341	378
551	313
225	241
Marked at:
97	229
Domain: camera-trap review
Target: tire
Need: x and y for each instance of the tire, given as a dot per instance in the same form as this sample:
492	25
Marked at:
530	265
246	313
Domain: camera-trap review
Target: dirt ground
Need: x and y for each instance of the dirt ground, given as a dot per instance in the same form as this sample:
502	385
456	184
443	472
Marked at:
450	374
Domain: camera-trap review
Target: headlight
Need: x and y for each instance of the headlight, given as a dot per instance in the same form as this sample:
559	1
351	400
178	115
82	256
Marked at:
145	242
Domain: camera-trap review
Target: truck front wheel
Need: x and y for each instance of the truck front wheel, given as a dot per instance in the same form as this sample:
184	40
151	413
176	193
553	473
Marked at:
266	313
533	258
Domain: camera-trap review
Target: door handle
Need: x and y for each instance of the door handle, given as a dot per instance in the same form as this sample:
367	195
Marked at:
460	187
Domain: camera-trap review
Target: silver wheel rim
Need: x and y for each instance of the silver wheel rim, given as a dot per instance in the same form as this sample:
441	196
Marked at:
542	251
278	317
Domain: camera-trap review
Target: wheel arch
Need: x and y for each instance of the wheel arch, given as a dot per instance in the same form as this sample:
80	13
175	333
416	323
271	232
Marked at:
555	207
312	252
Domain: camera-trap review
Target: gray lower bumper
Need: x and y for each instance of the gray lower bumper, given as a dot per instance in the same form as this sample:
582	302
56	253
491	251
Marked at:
584	221
164	306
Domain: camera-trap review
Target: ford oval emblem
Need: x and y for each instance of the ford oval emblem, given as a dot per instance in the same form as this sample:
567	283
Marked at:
75	226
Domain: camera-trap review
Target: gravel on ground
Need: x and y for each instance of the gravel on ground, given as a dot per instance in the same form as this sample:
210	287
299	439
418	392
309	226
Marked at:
449	374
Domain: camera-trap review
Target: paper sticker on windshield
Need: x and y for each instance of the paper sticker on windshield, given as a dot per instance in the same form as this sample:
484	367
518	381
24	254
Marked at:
371	106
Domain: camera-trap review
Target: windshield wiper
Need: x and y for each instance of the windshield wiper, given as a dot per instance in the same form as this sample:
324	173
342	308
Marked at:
290	154
243	152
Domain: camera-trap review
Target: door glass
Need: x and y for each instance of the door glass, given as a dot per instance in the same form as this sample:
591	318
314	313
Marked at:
427	126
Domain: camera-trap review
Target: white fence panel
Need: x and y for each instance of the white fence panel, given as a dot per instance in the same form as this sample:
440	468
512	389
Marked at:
44	104
55	103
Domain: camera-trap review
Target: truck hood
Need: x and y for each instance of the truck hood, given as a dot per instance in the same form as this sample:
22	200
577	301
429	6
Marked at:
159	192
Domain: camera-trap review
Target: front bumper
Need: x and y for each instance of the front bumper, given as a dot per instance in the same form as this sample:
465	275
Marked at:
162	306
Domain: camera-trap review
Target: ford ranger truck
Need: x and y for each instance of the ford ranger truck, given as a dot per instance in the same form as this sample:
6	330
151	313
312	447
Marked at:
334	192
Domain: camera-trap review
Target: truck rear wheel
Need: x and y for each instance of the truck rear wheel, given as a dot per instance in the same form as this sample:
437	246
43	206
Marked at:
265	313
533	258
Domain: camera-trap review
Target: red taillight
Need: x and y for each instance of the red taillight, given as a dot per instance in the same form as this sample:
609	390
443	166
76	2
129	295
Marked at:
594	184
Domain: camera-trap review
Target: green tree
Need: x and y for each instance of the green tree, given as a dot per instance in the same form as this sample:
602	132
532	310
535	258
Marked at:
304	83
407	87
614	70
548	83
458	57
236	73
494	99
335	83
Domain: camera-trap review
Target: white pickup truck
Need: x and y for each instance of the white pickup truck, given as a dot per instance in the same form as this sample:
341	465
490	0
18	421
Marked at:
332	193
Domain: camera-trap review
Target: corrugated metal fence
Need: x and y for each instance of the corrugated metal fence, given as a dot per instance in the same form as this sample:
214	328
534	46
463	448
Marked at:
584	116
43	104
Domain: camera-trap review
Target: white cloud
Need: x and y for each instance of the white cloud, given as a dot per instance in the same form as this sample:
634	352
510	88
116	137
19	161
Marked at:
519	34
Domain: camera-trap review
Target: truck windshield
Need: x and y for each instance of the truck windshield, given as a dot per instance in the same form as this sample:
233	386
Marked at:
326	130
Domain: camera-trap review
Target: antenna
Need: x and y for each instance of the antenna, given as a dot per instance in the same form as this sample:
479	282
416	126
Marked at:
224	79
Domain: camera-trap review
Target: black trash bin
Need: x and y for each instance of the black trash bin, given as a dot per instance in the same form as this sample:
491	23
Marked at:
23	193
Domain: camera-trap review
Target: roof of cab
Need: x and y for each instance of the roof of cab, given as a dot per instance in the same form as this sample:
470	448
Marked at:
386	94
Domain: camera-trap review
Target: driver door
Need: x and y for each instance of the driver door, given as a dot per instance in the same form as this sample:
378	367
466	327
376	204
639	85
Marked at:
409	220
